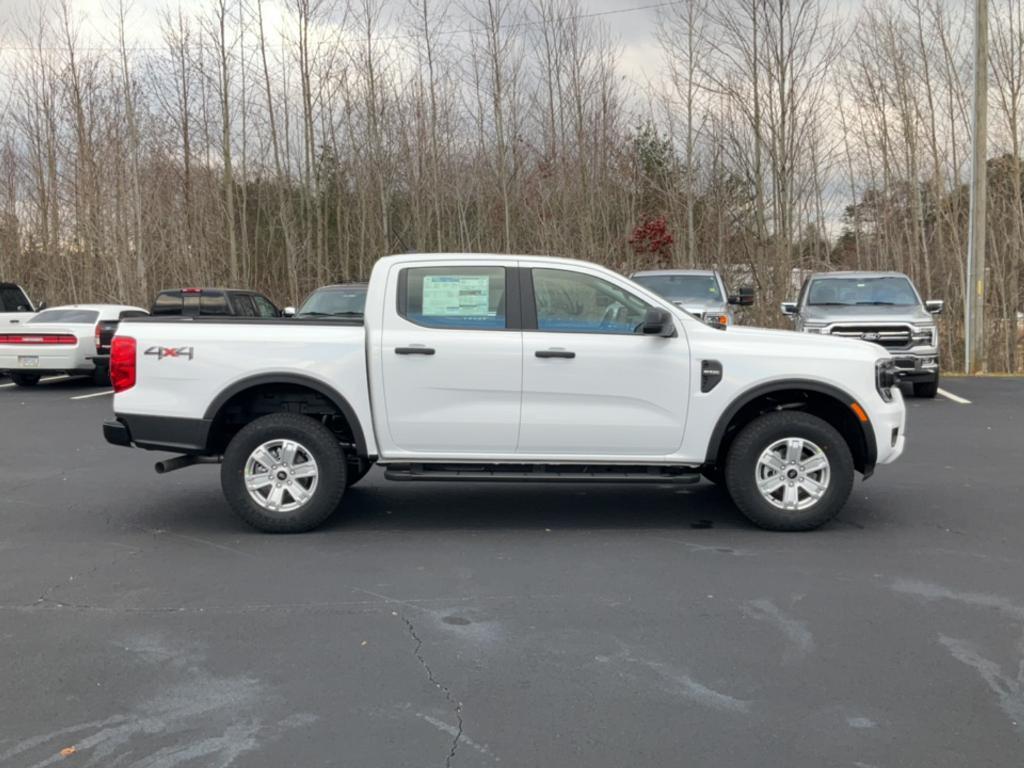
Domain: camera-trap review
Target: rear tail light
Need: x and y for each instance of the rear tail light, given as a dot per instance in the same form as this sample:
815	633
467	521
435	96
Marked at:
42	338
96	339
122	363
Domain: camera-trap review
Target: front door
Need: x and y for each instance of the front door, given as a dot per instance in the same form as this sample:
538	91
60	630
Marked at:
593	386
452	359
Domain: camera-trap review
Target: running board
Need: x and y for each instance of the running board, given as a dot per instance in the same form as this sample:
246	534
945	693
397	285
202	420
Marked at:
543	473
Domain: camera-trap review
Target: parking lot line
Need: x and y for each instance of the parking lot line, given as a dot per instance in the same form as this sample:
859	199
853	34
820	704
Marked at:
954	398
93	394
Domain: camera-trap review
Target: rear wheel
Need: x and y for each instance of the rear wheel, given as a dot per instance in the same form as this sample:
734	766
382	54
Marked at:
789	471
284	473
25	379
101	376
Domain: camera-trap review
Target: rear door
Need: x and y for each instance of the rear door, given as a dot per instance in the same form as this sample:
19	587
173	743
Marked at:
593	386
451	358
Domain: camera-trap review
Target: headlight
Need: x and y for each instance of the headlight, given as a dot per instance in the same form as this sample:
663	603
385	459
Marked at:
925	334
719	321
886	377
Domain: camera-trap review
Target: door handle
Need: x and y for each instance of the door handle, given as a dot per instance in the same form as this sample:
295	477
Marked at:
414	350
555	353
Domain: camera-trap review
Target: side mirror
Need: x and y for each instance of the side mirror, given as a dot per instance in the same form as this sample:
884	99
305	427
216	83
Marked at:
935	306
288	312
744	297
657	322
788	307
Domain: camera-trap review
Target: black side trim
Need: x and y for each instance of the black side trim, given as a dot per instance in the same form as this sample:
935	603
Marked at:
867	431
710	375
158	433
289	378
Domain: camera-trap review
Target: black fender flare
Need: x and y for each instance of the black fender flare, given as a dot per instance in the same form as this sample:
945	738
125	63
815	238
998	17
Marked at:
750	395
329	392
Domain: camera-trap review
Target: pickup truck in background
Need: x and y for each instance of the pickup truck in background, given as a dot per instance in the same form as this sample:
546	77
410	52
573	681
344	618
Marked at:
881	307
505	368
15	305
220	302
701	292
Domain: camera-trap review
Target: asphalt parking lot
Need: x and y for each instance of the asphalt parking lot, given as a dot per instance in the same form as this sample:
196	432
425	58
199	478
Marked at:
141	624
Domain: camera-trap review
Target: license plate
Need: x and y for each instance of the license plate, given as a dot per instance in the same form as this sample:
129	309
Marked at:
28	361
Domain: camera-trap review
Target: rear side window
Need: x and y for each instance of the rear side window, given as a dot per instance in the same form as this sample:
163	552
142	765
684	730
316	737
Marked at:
66	316
242	305
214	304
13	299
454	297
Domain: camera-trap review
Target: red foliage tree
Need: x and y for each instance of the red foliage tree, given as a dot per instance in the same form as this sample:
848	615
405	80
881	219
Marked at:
652	239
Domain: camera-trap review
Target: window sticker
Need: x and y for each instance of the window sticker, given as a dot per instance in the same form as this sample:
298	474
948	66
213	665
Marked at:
456	296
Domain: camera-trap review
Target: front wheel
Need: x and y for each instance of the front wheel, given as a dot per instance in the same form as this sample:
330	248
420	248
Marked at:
25	379
789	471
284	473
927	389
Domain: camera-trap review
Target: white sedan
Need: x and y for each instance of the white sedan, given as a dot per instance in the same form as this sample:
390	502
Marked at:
61	340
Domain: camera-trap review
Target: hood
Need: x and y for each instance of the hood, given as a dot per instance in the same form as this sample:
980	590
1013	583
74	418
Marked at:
829	346
700	307
865	313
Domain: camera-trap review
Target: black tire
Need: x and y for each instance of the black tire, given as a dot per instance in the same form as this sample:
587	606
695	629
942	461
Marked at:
25	379
322	446
101	376
927	389
755	438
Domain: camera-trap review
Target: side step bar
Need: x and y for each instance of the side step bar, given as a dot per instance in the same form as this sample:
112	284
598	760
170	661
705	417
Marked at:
543	473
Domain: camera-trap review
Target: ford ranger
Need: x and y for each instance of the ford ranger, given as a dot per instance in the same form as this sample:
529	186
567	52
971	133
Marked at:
505	368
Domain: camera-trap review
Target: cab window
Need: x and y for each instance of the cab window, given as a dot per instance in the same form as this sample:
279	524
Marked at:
454	297
575	302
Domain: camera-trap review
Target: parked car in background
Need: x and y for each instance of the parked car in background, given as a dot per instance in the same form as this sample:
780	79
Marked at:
340	300
15	305
881	307
60	340
225	302
497	368
701	292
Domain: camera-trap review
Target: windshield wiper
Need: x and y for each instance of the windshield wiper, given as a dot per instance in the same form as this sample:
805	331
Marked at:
330	314
876	303
828	304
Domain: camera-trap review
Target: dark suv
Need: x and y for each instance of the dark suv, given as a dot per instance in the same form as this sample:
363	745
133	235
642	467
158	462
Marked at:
226	302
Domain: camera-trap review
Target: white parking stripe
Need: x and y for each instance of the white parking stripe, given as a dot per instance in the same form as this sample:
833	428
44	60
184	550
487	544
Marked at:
48	378
93	394
954	398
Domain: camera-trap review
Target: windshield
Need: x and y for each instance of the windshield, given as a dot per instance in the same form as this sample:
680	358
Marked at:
66	316
346	301
702	288
855	291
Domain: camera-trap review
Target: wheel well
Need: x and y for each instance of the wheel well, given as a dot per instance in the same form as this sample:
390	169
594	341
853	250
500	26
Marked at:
820	404
263	399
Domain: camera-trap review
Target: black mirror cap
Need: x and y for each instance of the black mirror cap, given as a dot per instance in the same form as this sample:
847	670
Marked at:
658	322
744	297
788	307
935	306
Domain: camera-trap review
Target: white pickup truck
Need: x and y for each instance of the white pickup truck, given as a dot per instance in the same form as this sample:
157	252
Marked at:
509	368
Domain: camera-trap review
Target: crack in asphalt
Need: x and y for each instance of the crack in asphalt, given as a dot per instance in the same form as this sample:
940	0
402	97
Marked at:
456	705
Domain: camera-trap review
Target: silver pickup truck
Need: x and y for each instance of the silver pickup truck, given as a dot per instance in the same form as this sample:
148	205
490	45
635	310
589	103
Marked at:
881	307
701	292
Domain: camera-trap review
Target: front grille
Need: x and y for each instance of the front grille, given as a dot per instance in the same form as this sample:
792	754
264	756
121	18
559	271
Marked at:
888	336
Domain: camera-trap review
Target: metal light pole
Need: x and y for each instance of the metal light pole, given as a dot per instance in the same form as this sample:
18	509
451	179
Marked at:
974	300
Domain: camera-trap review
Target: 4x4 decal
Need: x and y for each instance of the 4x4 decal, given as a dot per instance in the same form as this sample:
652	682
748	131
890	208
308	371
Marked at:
161	352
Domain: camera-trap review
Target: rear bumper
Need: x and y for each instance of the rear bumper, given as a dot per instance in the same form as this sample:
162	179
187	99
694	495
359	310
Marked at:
29	359
158	433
